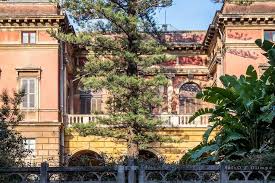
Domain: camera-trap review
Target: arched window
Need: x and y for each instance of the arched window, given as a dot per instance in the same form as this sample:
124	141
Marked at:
86	158
188	104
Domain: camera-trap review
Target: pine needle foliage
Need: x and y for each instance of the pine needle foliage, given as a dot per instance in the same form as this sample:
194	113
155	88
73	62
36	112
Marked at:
12	151
124	44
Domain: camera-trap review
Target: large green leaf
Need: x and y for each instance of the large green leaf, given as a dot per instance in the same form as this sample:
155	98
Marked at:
233	136
200	112
271	55
206	149
265	45
251	73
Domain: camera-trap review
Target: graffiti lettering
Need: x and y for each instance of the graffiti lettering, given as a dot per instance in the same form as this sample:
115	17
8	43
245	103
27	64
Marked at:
185	37
244	53
239	36
186	61
191	61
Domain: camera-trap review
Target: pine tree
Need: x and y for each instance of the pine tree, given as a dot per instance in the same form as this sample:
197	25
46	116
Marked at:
12	151
124	44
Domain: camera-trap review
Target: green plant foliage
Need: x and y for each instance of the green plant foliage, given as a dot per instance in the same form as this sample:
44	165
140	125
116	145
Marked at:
12	151
124	44
243	116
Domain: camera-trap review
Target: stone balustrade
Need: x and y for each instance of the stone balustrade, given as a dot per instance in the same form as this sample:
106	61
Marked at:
169	121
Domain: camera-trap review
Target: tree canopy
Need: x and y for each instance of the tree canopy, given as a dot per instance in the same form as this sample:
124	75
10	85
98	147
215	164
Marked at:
12	150
124	44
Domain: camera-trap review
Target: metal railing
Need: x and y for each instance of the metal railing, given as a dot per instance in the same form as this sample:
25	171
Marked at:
140	174
169	121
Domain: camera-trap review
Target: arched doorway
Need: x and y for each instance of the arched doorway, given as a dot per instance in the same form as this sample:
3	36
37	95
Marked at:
86	158
188	103
145	155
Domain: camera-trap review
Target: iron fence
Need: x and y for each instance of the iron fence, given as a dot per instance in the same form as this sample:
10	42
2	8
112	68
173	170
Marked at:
139	174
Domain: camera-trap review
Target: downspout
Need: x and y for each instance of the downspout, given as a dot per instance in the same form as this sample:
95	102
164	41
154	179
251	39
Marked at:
222	51
62	96
62	107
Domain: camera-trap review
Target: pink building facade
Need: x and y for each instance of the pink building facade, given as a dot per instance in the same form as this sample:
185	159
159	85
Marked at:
45	68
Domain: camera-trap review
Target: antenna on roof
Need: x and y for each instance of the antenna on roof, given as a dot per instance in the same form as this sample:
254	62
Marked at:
165	26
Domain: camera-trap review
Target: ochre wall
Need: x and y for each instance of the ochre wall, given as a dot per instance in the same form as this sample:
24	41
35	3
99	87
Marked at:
47	139
170	152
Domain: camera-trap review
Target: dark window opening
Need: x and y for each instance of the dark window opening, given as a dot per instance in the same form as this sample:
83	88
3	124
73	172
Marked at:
188	103
269	35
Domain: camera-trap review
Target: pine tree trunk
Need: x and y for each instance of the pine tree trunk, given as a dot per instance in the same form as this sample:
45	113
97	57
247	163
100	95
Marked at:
132	149
132	153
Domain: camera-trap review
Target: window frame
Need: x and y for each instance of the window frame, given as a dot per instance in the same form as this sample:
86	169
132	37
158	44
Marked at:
29	37
188	103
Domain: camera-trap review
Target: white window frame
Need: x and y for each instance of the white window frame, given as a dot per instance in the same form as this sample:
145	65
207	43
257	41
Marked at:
28	79
29	37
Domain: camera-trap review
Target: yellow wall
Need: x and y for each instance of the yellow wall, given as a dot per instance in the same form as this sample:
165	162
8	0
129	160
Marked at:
171	152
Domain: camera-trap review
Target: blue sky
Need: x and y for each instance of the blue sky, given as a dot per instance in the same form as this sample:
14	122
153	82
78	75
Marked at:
189	14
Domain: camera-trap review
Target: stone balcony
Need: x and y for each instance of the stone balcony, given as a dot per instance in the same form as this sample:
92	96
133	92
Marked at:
169	121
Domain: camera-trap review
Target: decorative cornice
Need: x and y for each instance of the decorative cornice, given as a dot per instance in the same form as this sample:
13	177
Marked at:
49	21
187	48
222	20
22	46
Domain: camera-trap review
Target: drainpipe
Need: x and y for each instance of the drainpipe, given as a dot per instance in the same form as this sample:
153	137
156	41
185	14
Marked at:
62	106
62	82
222	51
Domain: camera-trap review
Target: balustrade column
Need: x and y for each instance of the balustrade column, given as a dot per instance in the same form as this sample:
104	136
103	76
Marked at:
71	98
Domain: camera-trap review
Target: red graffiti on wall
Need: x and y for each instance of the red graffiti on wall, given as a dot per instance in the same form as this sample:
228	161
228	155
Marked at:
197	60
191	60
244	53
185	37
239	35
170	63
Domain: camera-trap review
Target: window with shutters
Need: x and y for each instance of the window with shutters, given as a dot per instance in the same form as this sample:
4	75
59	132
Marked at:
29	87
96	105
90	102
